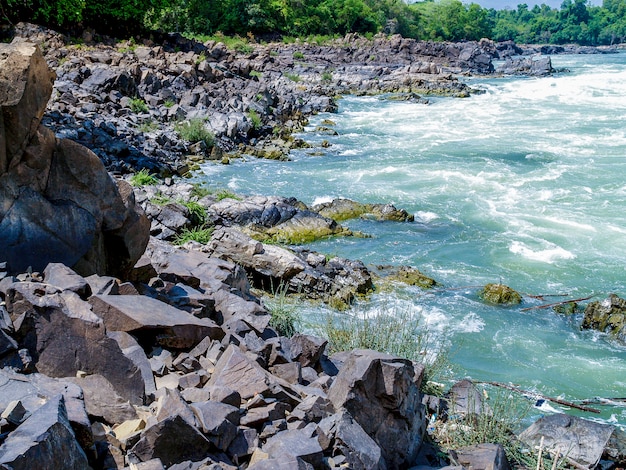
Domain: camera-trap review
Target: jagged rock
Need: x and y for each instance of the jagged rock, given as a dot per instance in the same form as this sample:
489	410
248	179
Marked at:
381	394
33	390
63	278
307	349
608	316
135	353
343	434
172	440
533	66
59	203
482	457
43	441
25	88
218	422
581	440
65	336
143	315
102	401
237	371
301	443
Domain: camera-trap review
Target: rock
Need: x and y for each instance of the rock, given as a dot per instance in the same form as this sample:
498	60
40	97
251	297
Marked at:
142	315
482	457
307	349
33	390
63	278
299	443
581	440
465	399
59	203
533	66
345	209
237	371
172	440
608	316
218	422
381	394
65	336
135	353
346	437
500	294
26	86
44	440
102	401
408	275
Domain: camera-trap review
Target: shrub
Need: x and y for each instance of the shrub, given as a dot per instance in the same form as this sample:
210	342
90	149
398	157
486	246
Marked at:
198	234
199	191
327	76
194	131
148	126
161	200
137	105
395	330
255	73
298	55
143	178
254	117
284	312
169	103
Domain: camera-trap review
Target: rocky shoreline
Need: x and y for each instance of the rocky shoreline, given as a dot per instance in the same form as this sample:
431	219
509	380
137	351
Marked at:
121	350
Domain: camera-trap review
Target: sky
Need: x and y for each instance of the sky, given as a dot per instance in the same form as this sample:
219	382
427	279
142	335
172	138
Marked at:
512	4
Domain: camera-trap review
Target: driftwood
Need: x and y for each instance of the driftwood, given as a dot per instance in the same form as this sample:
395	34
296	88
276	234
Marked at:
544	397
554	304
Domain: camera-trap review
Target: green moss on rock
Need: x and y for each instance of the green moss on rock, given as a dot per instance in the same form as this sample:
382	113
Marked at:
413	277
500	294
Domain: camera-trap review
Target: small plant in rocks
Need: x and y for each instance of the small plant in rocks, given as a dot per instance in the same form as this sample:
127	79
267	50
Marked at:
143	178
194	131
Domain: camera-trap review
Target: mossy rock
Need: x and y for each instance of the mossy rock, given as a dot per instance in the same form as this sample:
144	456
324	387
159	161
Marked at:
608	316
413	277
345	209
328	122
301	236
499	294
326	130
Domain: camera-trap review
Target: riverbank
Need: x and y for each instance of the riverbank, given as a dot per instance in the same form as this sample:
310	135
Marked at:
202	364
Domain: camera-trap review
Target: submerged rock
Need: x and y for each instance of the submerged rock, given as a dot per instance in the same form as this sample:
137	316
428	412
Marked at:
608	316
500	294
345	209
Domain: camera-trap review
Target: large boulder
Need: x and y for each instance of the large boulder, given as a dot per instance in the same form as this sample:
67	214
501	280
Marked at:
57	201
381	392
581	440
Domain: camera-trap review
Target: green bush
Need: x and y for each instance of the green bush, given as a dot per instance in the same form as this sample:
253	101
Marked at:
327	76
255	119
194	131
143	178
137	105
298	55
226	194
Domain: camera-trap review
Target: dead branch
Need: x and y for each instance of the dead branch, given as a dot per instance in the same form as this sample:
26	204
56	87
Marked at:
544	397
554	304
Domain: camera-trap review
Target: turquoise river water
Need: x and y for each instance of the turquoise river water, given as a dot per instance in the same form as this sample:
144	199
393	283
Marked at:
524	184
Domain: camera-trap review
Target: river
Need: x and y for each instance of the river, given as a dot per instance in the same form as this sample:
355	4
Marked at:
523	184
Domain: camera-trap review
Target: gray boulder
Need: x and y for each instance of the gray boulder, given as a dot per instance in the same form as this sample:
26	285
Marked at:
381	393
581	440
43	441
482	457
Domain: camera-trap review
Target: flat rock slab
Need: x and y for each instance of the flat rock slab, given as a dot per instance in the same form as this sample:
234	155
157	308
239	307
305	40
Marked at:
135	313
581	440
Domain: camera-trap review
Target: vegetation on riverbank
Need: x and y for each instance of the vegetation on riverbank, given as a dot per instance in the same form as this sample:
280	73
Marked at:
575	22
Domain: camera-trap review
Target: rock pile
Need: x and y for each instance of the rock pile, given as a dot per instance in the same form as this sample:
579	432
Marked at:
183	368
123	100
57	201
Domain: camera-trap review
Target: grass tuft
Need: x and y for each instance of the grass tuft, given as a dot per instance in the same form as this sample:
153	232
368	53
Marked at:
194	131
197	234
137	105
284	312
143	178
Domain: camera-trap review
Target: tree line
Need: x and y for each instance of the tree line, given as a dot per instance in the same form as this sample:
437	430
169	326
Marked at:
576	21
